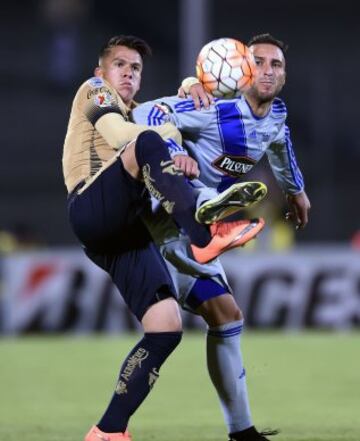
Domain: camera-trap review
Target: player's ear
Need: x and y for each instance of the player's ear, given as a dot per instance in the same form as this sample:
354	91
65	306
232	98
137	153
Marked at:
98	72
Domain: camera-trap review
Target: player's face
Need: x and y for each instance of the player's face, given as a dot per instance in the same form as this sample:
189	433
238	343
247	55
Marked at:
270	76
122	68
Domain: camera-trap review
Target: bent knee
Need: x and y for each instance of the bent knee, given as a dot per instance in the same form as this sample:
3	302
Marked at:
163	316
237	314
220	310
148	135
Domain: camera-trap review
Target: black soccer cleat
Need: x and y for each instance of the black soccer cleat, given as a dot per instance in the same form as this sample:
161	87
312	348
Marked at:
230	201
251	434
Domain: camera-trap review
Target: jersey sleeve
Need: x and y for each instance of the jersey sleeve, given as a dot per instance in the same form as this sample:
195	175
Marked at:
181	112
101	107
175	148
283	163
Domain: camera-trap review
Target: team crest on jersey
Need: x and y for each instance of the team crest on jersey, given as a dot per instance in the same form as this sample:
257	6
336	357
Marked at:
95	82
164	108
103	99
233	165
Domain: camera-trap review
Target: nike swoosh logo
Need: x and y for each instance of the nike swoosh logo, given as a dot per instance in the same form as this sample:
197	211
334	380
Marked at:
246	191
242	233
167	162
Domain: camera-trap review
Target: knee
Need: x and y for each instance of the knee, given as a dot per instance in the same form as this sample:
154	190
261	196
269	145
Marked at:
146	142
220	310
148	136
237	314
227	315
173	324
163	316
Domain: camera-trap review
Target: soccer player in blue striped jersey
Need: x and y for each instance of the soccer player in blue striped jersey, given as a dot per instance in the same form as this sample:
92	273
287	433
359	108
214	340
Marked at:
227	139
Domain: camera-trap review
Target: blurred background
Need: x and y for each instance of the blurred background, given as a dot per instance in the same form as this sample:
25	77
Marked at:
49	47
306	383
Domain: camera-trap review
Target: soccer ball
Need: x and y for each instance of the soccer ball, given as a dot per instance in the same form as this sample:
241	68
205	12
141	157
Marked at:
225	67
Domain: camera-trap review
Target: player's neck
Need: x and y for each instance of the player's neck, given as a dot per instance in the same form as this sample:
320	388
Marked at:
258	108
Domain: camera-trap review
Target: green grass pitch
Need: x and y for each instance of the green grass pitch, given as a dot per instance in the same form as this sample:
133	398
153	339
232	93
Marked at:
308	385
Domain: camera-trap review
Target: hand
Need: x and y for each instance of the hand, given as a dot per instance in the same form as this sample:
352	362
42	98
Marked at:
187	165
198	93
299	206
181	92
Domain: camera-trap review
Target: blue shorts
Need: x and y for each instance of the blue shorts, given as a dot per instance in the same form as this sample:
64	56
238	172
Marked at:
106	219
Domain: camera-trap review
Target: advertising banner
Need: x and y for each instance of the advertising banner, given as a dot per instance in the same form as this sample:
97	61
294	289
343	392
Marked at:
62	291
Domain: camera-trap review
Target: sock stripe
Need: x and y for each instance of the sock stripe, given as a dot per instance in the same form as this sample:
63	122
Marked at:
226	333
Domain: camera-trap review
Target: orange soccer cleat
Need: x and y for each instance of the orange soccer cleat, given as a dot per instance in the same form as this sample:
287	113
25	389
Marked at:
227	235
95	434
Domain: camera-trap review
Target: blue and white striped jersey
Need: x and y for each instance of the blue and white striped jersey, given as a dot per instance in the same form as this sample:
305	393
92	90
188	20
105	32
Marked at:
227	140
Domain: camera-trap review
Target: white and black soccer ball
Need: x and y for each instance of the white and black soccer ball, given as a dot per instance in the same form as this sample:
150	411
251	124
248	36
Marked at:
225	67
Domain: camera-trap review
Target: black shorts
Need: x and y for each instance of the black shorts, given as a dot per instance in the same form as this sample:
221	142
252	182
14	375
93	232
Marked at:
106	219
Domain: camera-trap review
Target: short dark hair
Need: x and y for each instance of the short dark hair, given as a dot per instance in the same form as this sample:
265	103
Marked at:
130	41
269	39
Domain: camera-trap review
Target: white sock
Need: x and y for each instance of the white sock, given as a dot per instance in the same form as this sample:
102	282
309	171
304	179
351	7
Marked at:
227	373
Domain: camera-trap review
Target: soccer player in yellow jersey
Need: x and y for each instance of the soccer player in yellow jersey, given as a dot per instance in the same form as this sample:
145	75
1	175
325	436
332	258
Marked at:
110	167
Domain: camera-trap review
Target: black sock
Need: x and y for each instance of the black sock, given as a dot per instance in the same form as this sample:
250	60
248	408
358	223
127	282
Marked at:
137	376
167	184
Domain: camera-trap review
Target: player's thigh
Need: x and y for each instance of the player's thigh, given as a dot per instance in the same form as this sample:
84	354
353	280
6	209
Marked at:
140	275
103	211
163	316
220	310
